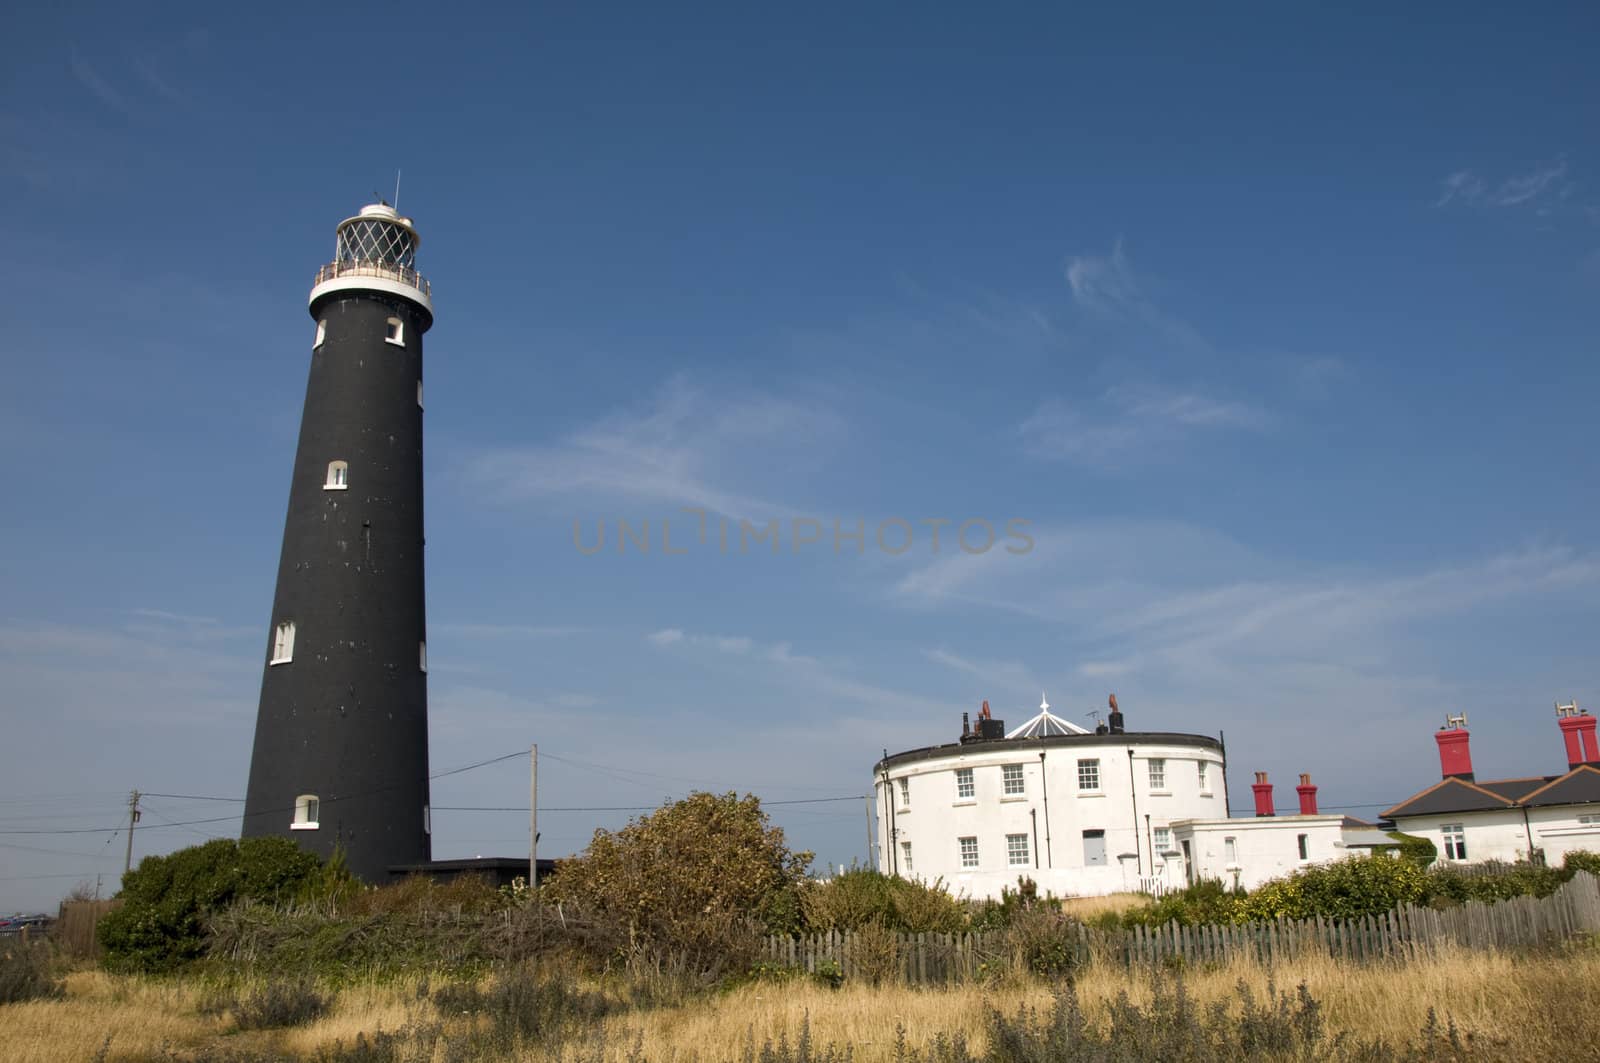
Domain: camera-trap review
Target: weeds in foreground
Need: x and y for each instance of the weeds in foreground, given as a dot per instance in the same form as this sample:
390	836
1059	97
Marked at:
278	1004
27	972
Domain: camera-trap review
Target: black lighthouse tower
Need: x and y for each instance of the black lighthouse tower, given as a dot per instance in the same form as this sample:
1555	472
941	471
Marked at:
341	746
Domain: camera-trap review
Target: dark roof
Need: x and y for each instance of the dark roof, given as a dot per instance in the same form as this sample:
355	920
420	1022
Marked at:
1449	795
1580	786
1089	741
1516	789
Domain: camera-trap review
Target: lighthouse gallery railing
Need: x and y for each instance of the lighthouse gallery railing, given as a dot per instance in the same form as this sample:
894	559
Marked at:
371	268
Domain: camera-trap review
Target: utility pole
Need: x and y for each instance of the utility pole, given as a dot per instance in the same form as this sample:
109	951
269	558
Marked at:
133	817
533	817
866	799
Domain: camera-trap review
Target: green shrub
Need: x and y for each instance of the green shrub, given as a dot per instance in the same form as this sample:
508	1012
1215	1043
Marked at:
1491	883
1044	941
1581	860
877	953
693	878
990	914
1204	902
27	971
166	899
858	896
849	900
1419	851
1345	889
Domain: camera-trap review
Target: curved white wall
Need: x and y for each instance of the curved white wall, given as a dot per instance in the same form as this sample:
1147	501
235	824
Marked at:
1052	814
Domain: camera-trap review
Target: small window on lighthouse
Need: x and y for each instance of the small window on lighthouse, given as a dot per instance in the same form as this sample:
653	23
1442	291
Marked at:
322	334
396	332
338	476
422	656
306	810
283	643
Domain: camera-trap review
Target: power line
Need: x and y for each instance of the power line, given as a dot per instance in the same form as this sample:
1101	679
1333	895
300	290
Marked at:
611	768
30	878
53	852
480	764
623	808
270	811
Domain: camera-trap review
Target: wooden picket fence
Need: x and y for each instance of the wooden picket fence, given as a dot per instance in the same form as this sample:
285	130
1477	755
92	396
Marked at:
1407	932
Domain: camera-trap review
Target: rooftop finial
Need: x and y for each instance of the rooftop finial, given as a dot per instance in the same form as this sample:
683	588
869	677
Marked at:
1044	706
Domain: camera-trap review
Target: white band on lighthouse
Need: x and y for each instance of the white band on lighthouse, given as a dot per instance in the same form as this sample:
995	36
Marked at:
371	279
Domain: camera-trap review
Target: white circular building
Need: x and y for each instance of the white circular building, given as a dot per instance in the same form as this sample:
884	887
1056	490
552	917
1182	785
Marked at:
1079	812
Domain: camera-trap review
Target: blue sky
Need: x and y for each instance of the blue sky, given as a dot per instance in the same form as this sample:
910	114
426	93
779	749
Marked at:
1278	328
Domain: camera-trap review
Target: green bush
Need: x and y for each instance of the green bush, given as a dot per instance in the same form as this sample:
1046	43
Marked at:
27	971
1205	902
1448	885
1419	851
856	897
1581	860
1345	889
1044	941
691	879
167	899
990	914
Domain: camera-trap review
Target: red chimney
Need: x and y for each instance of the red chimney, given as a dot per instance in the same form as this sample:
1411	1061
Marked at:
1455	754
1263	792
1578	731
1308	796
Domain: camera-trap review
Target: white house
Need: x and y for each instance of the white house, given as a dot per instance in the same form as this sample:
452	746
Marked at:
1472	820
1080	813
1248	852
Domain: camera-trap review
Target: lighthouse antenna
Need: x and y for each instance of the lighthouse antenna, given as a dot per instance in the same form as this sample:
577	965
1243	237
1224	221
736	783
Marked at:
397	190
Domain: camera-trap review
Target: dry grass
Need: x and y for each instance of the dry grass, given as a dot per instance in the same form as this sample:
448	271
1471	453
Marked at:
1087	908
1492	995
363	1008
1501	997
139	1014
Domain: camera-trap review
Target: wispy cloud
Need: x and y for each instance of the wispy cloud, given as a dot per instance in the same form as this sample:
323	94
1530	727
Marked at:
1107	288
90	79
148	67
1147	592
1102	282
1001	675
673	636
1196	629
505	631
684	446
1124	425
1538	189
797	670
